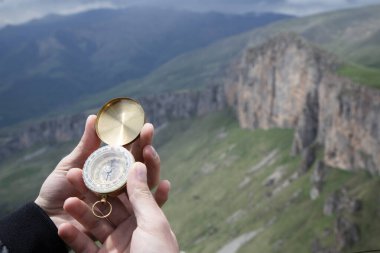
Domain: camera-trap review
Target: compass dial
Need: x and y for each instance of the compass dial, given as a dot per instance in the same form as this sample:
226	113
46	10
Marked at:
106	170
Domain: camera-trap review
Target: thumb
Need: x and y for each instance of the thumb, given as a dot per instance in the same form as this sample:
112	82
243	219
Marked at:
88	144
148	214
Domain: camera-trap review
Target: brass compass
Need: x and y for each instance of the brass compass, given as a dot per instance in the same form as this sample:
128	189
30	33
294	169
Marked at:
105	172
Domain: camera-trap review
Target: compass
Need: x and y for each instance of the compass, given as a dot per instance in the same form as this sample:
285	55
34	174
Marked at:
105	172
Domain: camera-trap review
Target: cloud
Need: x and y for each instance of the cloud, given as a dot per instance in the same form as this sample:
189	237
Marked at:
19	11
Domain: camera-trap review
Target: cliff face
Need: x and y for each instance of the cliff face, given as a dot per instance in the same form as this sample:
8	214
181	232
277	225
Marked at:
285	83
349	128
288	83
275	81
55	130
179	105
159	109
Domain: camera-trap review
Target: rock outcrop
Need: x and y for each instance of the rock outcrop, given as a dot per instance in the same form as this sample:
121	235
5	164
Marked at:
289	83
340	202
349	128
277	82
284	83
59	129
165	107
159	109
318	179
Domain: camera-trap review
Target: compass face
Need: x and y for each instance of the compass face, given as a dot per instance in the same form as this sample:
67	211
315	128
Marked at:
106	170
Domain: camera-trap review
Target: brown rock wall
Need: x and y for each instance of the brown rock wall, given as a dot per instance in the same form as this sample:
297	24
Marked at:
288	83
349	128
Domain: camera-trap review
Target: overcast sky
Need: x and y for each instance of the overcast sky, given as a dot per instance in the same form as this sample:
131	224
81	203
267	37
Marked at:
19	11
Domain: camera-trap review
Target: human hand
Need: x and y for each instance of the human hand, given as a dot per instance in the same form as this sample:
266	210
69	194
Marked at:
143	228
56	188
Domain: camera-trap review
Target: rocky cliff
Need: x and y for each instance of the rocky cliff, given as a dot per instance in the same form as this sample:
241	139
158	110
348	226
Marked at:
349	128
289	83
284	83
159	110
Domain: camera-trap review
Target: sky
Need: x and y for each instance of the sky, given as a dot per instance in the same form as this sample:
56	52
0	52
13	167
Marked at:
20	11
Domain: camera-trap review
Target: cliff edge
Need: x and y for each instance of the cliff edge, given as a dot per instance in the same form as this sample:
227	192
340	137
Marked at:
289	83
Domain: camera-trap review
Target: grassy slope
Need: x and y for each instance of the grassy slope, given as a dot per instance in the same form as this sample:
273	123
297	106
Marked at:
352	34
22	175
361	74
192	70
207	160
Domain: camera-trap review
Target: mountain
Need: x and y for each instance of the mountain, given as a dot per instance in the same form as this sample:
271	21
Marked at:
270	150
283	145
53	62
337	32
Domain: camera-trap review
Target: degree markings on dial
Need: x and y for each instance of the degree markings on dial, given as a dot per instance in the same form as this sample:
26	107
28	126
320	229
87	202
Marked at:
95	165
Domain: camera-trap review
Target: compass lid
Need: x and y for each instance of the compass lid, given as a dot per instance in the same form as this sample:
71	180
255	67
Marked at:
120	121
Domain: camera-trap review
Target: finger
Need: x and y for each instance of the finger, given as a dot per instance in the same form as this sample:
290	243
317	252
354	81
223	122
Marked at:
148	214
119	213
162	193
145	138
76	240
122	235
153	163
88	144
99	228
125	201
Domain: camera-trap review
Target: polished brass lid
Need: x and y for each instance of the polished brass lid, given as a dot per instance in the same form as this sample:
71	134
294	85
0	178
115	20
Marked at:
120	121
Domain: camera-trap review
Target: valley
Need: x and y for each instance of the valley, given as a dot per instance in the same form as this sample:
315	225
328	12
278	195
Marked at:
270	137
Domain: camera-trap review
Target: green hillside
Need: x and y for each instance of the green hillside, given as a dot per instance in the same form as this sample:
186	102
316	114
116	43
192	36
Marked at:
353	35
361	74
221	190
228	182
50	63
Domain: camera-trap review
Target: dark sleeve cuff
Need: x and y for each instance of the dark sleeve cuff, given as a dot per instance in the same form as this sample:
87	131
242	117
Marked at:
30	229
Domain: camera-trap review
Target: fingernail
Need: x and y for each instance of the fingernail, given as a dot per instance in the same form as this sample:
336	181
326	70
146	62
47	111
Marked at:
140	172
154	152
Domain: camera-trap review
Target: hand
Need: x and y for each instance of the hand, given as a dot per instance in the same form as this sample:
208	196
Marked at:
56	188
144	229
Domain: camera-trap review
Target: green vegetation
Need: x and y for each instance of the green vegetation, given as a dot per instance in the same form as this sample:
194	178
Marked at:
189	71
217	196
55	62
22	174
228	181
353	35
361	74
221	187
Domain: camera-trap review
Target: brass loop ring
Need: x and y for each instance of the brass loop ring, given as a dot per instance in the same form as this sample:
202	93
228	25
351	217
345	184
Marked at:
96	212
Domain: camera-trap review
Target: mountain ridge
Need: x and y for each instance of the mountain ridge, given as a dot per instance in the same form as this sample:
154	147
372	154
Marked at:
285	83
230	49
308	182
57	62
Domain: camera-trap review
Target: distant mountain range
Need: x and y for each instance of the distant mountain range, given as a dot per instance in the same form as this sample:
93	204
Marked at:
352	35
52	62
267	147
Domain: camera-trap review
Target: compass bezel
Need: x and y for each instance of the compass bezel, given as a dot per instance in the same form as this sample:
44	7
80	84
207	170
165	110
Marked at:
91	163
